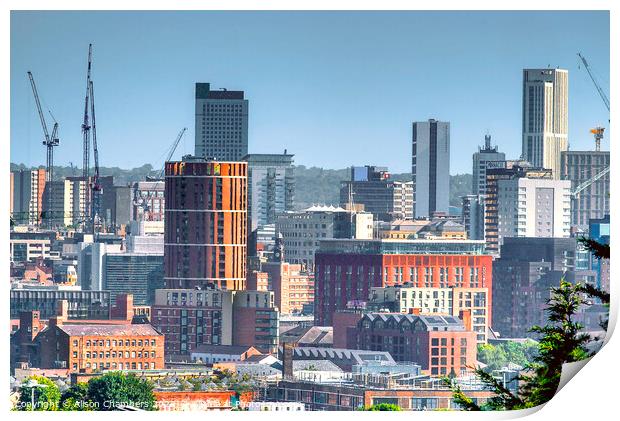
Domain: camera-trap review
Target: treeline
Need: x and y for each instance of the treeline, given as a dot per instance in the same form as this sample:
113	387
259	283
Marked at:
313	184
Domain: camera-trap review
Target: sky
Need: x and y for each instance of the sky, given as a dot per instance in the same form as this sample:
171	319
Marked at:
334	88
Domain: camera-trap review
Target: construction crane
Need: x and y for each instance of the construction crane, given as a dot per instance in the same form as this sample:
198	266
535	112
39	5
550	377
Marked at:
143	201
49	142
598	87
95	186
86	145
589	182
598	136
172	149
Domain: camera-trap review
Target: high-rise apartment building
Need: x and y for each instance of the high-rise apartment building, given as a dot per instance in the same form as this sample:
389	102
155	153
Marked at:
430	167
271	187
205	240
372	187
27	187
545	117
473	215
592	202
484	155
221	124
61	211
503	171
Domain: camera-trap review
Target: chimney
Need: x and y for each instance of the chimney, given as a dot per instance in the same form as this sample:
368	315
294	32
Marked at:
62	309
29	321
123	308
465	316
287	360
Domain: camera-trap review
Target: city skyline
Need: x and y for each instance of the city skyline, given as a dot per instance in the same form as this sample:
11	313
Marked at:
286	110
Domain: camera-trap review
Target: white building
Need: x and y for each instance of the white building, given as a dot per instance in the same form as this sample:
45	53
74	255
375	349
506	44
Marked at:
430	167
271	187
303	231
545	117
528	207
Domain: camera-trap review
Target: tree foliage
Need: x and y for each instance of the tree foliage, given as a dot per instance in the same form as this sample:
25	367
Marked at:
46	395
383	407
562	341
498	356
117	389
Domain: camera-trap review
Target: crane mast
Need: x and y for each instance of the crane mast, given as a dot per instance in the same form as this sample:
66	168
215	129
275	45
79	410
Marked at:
86	147
49	142
95	186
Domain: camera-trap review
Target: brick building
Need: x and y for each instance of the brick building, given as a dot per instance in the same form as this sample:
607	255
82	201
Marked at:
79	346
347	270
440	344
191	318
205	236
292	286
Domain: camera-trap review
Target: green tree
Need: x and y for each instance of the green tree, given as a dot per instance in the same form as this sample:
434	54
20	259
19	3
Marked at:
383	407
116	389
76	398
45	394
561	342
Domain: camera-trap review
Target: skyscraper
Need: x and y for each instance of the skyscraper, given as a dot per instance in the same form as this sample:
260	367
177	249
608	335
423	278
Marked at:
430	167
480	160
206	224
221	124
271	187
545	117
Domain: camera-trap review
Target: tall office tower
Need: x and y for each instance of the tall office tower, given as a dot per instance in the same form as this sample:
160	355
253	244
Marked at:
533	207
580	167
480	160
503	171
271	187
545	117
205	235
430	167
221	124
473	216
61	211
27	189
372	187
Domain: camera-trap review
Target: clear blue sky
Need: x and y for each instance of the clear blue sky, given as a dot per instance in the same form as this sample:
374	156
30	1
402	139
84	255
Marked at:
335	89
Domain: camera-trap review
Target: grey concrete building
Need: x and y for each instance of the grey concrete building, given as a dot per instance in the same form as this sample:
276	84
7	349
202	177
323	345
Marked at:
481	159
593	201
430	167
221	124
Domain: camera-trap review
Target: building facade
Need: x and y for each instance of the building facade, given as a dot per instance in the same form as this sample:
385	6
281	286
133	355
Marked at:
347	270
533	207
205	241
593	201
303	231
44	300
473	215
372	187
545	117
430	167
271	187
148	201
292	287
133	273
439	344
221	124
27	187
484	155
497	171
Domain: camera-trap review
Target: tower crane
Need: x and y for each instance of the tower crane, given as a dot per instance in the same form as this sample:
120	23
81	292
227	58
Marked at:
596	85
95	186
86	146
50	142
143	201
